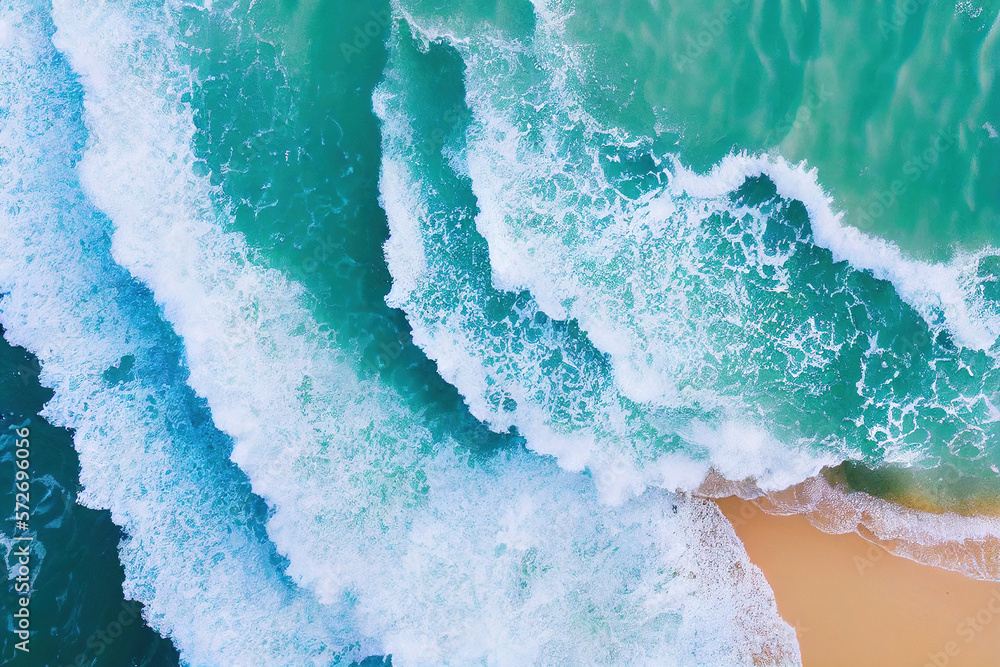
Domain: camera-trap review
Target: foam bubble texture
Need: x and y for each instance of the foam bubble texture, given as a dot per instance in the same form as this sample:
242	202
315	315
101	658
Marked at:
195	552
737	299
443	559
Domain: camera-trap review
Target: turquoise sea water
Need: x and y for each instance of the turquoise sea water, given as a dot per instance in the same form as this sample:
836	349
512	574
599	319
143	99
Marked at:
408	328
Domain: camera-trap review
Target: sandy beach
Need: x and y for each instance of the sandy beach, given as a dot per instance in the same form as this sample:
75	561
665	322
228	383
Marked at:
853	603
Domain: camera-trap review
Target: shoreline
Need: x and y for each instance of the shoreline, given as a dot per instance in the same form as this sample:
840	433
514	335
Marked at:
962	543
931	491
853	602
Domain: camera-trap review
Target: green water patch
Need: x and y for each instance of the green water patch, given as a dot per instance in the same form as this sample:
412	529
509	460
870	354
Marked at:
78	615
953	486
895	103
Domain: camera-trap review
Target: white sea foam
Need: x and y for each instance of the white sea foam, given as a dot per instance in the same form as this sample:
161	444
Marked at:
657	289
933	289
148	453
444	561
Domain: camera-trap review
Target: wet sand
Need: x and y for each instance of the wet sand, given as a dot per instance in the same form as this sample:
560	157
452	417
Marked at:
853	604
